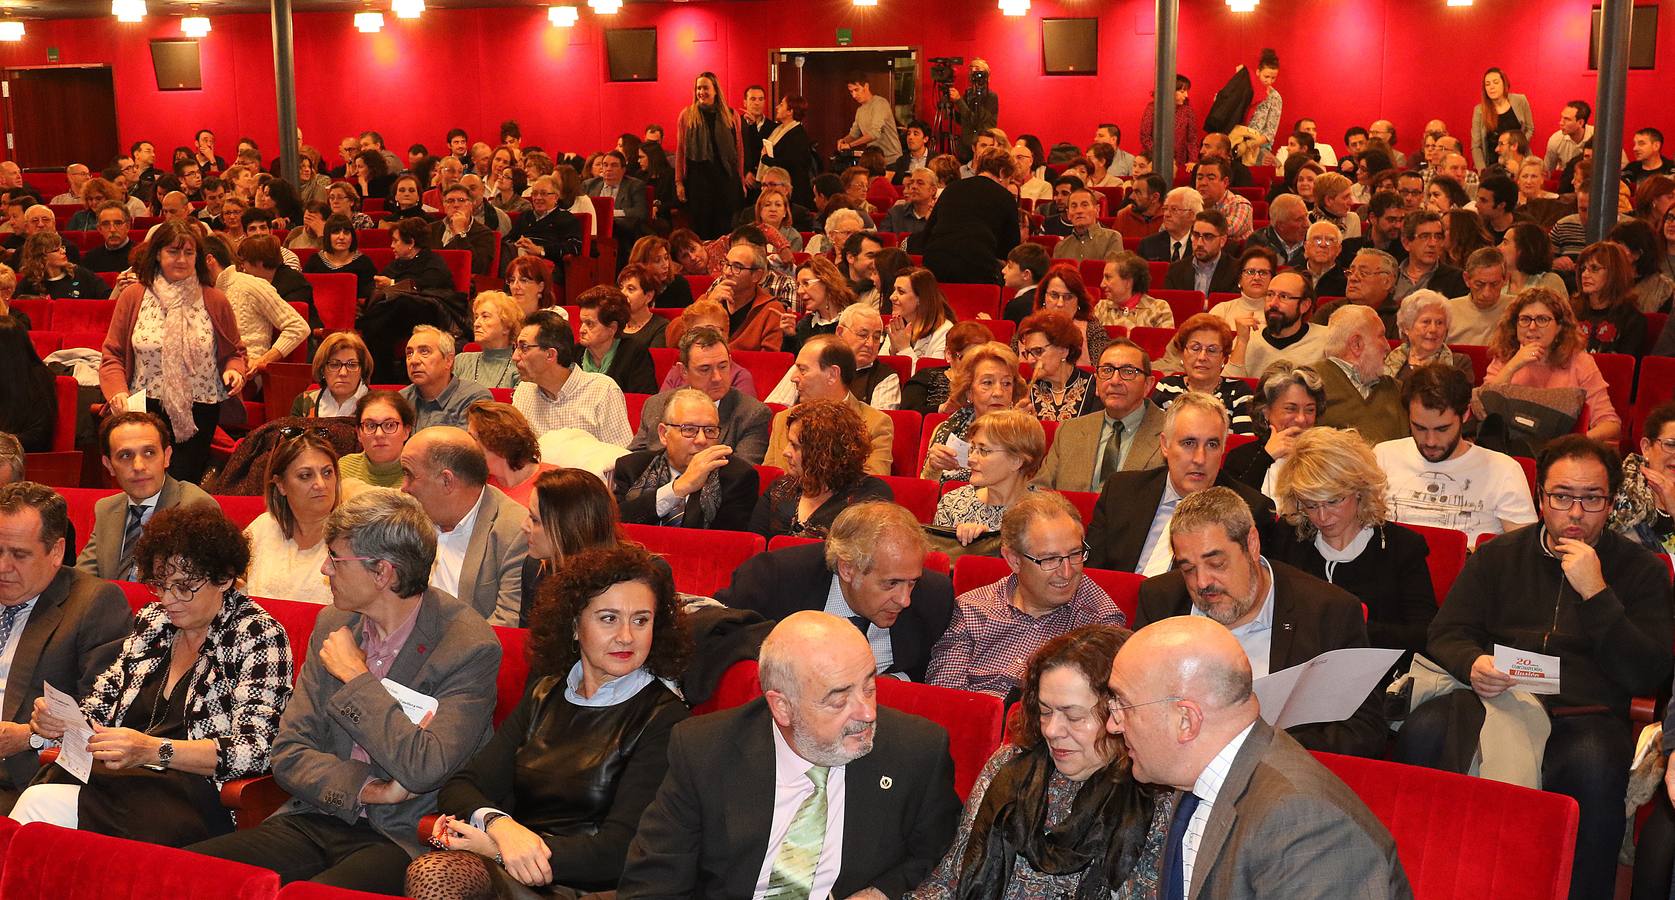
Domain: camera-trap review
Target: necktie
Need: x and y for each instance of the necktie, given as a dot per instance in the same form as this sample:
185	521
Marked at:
674	519
130	537
1108	463
799	855
1174	861
8	619
1175	251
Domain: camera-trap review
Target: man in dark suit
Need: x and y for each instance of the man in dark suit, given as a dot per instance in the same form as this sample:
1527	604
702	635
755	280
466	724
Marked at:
1271	820
547	231
1208	270
695	481
1174	241
708	367
136	454
360	772
629	212
1422	235
1132	518
1283	617
743	809
457	230
57	624
871	571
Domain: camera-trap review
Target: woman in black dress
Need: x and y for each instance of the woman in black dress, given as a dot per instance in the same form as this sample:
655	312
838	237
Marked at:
708	152
554	798
788	148
341	252
974	224
191	702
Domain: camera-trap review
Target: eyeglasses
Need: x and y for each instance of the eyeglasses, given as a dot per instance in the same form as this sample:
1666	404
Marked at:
1033	353
1309	506
1281	295
733	268
1117	709
984	450
180	587
524	348
1128	373
1365	272
1208	349
1061	296
1668	444
1204	235
340	560
1051	563
1535	321
690	432
1257	273
1562	502
295	431
388	426
1324	241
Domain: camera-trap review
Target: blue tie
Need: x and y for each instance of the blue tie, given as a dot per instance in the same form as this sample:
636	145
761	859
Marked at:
1174	868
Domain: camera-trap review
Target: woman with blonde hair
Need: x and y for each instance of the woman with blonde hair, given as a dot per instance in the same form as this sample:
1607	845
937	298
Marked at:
496	319
1539	344
1006	450
822	294
986	379
919	326
709	149
343	368
1334	493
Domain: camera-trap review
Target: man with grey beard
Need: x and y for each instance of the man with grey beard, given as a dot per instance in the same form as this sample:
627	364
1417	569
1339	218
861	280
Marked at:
1282	616
817	732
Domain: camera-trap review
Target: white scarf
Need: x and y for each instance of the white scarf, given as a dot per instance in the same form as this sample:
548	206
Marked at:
1351	551
178	299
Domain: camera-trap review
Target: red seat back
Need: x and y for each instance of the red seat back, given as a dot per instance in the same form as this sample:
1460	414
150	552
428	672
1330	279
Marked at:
927	433
58	468
514	670
334	299
917	494
1656	385
241	511
972	572
766	367
635	403
1447	556
1084	501
80	502
1654	328
1618	370
308	890
1527	836
908	424
45	861
297	618
373	238
1155	341
64	392
1184	304
663	359
46	342
901	365
82	315
38	310
699	284
703	560
1479	360
968	301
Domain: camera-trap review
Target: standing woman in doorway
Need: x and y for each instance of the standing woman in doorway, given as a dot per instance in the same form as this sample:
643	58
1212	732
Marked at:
1501	110
707	179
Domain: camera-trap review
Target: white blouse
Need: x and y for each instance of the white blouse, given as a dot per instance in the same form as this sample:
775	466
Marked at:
279	570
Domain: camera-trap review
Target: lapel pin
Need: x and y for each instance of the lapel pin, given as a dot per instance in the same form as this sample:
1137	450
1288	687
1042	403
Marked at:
886	782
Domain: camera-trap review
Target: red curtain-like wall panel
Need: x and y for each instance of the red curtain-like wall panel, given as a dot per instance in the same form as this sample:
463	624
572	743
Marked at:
1344	62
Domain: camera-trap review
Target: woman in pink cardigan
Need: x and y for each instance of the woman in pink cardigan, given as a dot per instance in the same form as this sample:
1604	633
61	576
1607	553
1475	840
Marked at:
174	336
1537	344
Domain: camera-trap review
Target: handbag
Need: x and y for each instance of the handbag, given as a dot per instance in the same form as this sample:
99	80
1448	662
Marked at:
1519	421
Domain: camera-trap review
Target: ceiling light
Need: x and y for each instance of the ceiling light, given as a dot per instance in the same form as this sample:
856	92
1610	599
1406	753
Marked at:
1014	7
605	7
562	16
128	10
11	30
194	26
1242	6
865	2
407	9
1459	2
369	22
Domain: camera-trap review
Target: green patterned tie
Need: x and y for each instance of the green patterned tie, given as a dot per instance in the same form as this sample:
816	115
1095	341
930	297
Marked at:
793	873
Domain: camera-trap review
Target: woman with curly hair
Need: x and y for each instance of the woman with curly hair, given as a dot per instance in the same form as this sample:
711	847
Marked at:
1445	194
985	379
1203	345
1057	812
191	702
46	271
1539	344
826	449
554	798
1607	310
1058	390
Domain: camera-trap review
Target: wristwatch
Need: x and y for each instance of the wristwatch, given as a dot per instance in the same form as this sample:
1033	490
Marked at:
36	742
165	753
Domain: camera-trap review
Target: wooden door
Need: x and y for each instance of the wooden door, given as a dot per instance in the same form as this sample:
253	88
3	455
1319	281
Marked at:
57	115
822	79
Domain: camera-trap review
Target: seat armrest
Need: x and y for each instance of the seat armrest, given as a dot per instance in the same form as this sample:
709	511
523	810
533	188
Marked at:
252	800
427	827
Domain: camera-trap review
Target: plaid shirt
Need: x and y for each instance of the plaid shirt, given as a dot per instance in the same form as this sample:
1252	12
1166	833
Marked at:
588	400
989	641
239	684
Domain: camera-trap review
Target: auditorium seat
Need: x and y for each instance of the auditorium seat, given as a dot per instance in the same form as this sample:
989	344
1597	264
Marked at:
919	495
766	367
80	502
334	299
514	670
972	572
1093	272
1464	837
1155	341
82	315
44	861
1479	360
699	284
908	426
703	560
901	365
46	342
927	430
1084	501
308	890
39	311
1184	304
1234	441
971	301
285	382
1618	371
663	359
65	390
1654	329
59	468
241	511
635	403
973	720
766	475
1047	241
1447	556
1656	385
373	238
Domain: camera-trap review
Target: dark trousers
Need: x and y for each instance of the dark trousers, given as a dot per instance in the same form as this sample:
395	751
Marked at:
711	197
1586	758
191	457
319	848
1654	852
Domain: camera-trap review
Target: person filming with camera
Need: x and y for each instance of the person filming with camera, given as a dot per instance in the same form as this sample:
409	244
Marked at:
978	109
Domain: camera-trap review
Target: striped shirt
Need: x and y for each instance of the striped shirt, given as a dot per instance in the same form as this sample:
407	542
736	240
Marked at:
1233	393
588	401
989	641
1207	787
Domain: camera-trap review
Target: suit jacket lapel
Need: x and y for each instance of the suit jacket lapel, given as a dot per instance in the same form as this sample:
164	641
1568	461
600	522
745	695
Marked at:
750	810
477	546
1144	451
1281	639
1225	811
43	621
1146	499
427	633
108	528
862	792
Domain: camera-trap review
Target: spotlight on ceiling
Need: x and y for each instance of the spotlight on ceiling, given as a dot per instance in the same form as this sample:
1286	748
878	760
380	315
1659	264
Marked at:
562	16
369	22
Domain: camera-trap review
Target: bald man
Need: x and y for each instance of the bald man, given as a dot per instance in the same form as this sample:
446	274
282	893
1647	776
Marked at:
1256	816
732	817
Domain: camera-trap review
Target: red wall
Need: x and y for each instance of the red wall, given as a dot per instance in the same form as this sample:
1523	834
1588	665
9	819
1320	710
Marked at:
1343	62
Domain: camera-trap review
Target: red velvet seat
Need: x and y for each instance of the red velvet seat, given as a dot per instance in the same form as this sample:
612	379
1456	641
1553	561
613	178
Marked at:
766	367
65	391
1524	838
1655	385
901	365
1155	341
766	475
1447	556
59	468
908	427
1084	501
38	310
241	511
514	670
969	301
1618	371
285	382
297	618
971	572
703	560
1184	304
82	315
973	720
46	342
698	284
663	359
334	300
917	494
635	403
308	890
45	861
80	502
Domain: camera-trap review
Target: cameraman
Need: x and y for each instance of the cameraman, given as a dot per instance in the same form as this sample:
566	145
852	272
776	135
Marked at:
978	109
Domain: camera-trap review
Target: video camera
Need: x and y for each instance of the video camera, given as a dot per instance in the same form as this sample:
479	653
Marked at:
942	70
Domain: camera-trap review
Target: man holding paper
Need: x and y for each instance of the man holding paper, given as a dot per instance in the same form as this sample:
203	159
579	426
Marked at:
1282	616
360	768
1569	588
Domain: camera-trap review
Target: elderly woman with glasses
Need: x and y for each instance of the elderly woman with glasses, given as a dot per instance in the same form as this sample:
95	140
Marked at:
1056	811
1334	493
1291	398
1321	260
384	421
1007	447
985	380
191	702
1203	344
1423	321
1058	390
1538	344
927	391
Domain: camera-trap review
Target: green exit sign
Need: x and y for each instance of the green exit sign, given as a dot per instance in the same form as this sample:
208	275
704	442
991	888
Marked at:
845	37
52	54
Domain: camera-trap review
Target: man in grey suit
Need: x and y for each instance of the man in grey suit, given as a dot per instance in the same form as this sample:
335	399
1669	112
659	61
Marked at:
1269	820
57	624
480	543
708	367
136	454
1081	457
360	771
